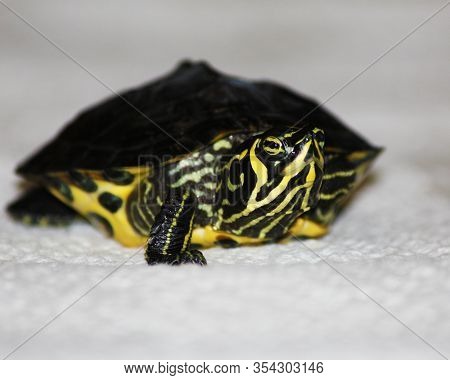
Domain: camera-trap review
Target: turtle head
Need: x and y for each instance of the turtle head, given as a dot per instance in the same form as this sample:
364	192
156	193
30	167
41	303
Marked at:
270	180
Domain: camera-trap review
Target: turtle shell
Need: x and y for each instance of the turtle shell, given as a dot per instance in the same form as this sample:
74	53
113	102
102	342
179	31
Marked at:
181	112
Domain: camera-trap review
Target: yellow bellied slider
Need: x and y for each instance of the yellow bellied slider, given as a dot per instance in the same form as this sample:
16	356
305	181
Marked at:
199	158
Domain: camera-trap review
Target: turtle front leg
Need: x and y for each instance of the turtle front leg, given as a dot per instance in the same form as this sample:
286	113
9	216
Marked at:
170	237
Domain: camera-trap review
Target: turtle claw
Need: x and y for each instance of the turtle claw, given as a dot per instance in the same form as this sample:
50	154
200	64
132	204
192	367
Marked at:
190	257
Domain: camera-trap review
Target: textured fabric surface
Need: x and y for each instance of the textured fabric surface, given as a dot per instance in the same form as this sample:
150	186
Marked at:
384	272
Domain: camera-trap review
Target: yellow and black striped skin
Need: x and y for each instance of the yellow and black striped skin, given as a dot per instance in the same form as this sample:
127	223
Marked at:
170	236
274	179
344	172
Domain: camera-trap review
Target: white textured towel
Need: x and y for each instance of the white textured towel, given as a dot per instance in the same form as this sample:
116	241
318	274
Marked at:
381	289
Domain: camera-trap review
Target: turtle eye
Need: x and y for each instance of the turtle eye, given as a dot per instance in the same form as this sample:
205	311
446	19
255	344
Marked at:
272	146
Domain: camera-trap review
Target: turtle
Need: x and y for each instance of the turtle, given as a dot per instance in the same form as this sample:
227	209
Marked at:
194	159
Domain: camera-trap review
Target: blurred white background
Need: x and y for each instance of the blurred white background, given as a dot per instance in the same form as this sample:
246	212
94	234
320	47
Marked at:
273	302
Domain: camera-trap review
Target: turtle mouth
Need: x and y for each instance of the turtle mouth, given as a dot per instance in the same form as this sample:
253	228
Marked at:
299	166
305	157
